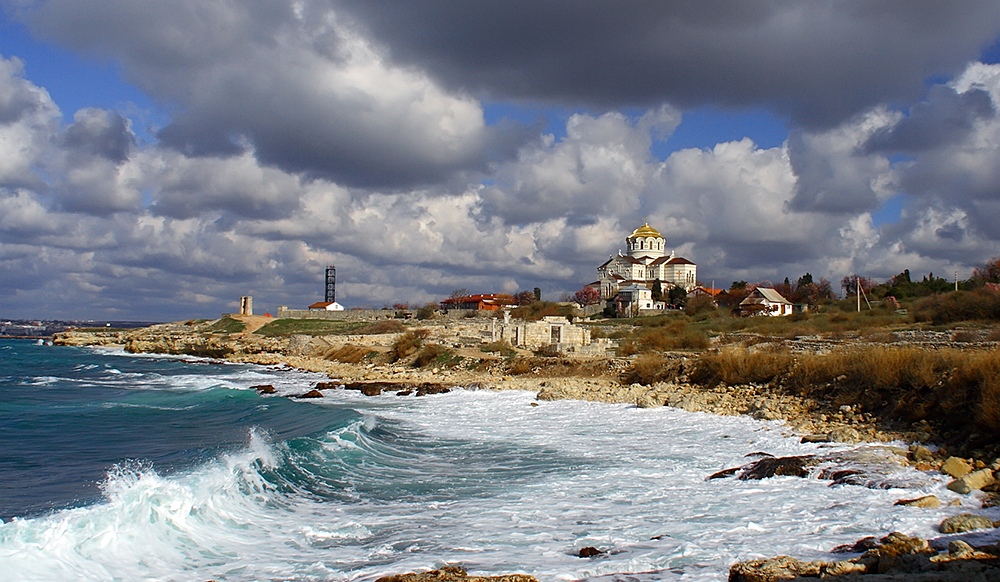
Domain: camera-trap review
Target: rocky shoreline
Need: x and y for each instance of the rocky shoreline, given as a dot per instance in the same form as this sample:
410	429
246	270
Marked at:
894	557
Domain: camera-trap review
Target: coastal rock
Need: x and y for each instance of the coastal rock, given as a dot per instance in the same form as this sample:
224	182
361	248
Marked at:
589	552
454	574
328	385
775	466
972	481
965	522
264	389
926	502
956	467
311	394
773	570
920	454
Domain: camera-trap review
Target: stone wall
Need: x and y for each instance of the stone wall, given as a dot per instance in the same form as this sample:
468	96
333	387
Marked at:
376	314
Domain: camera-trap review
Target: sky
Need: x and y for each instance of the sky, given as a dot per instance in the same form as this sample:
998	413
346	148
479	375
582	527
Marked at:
159	160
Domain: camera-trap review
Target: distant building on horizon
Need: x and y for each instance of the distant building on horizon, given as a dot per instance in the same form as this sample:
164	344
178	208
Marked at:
645	263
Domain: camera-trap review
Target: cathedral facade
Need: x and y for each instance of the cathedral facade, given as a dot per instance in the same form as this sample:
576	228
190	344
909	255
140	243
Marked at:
645	262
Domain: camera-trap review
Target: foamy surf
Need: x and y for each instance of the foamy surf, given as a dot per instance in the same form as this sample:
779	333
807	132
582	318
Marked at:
483	479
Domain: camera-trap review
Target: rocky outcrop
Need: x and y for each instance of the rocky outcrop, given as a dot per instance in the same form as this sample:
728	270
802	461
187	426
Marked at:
454	574
896	557
965	522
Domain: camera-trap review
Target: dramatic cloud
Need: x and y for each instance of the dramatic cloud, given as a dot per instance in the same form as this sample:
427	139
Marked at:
819	62
428	146
287	81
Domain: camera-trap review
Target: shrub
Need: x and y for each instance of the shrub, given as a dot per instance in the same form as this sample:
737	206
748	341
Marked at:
648	369
435	354
699	305
981	304
427	311
498	347
408	343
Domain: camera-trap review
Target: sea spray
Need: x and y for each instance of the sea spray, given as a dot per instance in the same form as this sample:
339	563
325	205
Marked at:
348	487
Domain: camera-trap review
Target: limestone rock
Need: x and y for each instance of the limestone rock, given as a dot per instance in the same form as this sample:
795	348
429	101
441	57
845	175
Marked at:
920	454
773	570
926	502
264	389
972	481
956	467
964	522
589	552
311	394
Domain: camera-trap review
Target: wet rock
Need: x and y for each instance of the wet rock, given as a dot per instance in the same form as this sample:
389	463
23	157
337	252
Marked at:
723	473
264	389
776	466
816	438
328	385
311	394
454	574
926	502
965	522
376	387
859	547
773	570
589	552
956	467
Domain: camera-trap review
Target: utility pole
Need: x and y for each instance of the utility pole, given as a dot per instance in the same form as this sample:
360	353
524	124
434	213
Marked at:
956	280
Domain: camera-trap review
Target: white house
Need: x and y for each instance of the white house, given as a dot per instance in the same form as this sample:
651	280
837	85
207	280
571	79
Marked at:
765	301
326	306
645	263
635	298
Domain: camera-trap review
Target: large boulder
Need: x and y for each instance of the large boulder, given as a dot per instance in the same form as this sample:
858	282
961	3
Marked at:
972	481
956	467
964	522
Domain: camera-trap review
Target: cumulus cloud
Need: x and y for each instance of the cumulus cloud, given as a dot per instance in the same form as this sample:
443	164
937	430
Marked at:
28	119
290	82
315	132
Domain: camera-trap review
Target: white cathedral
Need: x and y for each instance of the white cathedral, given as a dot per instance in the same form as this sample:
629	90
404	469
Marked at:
645	263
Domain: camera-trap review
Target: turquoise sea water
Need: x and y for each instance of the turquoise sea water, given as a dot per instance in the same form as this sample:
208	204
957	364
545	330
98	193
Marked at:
124	467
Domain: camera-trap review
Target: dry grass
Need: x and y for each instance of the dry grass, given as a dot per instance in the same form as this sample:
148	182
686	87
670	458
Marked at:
734	366
408	343
957	390
664	334
347	354
649	368
437	355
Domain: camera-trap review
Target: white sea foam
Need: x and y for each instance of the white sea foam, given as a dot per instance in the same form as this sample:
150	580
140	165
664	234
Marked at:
483	479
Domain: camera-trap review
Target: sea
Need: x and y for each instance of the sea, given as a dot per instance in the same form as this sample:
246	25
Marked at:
116	466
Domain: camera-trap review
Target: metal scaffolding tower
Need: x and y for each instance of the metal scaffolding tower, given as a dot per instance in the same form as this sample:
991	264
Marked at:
331	284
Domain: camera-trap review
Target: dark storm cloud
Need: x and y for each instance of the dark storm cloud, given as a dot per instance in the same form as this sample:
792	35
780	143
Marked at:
819	62
96	132
946	118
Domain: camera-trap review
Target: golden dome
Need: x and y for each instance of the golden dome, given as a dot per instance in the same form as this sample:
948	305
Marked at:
645	231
